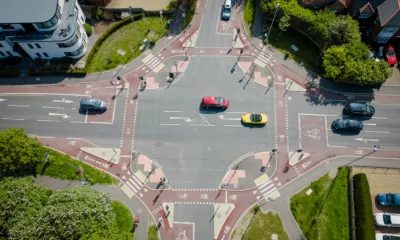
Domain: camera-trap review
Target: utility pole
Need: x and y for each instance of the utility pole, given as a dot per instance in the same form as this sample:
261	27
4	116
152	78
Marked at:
133	21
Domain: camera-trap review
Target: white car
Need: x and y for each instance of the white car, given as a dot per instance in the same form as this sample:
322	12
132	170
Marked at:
387	219
387	236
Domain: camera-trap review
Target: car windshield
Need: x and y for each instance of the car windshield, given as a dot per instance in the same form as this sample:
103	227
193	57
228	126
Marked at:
219	100
97	103
386	219
255	117
227	10
390	52
389	199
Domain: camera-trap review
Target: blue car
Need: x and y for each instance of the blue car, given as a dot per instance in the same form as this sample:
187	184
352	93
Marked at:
389	199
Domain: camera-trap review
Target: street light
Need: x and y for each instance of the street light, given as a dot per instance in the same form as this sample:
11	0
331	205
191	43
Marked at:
273	19
162	23
130	12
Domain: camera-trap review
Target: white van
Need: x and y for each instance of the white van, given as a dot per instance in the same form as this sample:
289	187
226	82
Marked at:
226	10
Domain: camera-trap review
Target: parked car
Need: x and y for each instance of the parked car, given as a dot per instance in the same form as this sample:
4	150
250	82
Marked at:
214	102
387	219
389	199
347	125
360	109
226	10
93	104
390	56
387	236
255	118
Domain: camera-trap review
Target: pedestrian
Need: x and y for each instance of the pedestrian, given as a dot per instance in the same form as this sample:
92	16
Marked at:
238	30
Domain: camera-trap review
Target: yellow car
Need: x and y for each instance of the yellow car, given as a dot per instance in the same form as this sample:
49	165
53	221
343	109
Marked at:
255	118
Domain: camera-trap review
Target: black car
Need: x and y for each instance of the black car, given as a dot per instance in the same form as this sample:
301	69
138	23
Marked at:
347	124
359	109
93	104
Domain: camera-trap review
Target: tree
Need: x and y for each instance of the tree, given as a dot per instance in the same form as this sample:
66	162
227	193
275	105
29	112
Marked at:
284	23
19	198
349	63
19	154
70	214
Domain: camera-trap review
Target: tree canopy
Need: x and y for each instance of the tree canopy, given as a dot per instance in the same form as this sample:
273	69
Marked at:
19	153
30	211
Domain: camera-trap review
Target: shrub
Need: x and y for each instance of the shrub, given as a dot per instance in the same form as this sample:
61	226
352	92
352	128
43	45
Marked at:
249	12
38	72
172	5
105	35
88	29
99	12
9	72
365	228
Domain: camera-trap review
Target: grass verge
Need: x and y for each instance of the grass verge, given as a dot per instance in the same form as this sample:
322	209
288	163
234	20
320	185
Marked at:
324	213
152	233
123	45
257	225
307	51
249	15
124	218
65	167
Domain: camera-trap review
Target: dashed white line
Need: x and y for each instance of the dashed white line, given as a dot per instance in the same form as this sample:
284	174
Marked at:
173	111
44	120
170	124
10	105
376	132
17	119
53	107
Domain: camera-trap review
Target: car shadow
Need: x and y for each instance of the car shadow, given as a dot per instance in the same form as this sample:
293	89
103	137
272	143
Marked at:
252	126
90	112
345	132
204	110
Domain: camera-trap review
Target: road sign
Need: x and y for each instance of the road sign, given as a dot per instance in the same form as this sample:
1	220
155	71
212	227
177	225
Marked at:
46	157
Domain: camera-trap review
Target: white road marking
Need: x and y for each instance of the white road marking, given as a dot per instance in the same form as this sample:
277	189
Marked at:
204	119
173	111
10	105
379	117
44	120
63	101
59	114
2	99
376	132
170	124
232	125
17	119
370	124
366	140
53	107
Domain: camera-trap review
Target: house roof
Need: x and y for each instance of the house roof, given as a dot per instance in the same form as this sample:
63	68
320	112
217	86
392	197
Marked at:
27	11
368	5
387	10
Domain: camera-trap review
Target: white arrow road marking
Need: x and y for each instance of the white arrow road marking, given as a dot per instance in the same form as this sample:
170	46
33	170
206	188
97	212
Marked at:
88	158
276	178
370	124
306	164
2	99
186	119
141	195
59	114
63	101
254	192
258	197
222	117
366	140
279	184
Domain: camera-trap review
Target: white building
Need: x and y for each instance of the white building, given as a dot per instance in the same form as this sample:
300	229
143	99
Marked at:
42	29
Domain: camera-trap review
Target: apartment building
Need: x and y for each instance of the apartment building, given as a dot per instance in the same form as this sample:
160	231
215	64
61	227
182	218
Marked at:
42	29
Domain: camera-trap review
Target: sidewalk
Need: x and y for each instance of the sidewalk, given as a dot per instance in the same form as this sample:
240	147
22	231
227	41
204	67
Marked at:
311	76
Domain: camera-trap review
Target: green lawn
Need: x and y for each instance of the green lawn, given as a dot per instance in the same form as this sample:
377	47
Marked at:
307	52
127	40
63	166
152	233
124	218
257	225
324	213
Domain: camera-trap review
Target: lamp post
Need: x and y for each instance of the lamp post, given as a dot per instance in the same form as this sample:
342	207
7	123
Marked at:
130	12
273	19
162	23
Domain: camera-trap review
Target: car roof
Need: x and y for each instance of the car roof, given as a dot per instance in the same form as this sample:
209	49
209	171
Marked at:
395	218
357	106
87	100
209	100
353	123
396	198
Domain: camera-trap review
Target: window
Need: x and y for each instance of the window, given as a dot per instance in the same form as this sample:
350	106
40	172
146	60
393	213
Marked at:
1	45
69	43
7	26
30	46
364	15
76	52
83	20
2	54
390	30
37	45
9	54
53	21
334	9
316	5
45	54
379	39
38	54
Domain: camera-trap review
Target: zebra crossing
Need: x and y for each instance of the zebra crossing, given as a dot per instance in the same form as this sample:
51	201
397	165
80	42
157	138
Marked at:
133	186
153	63
263	58
267	190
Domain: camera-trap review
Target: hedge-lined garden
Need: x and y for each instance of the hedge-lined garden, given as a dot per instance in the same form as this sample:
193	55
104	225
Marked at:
365	227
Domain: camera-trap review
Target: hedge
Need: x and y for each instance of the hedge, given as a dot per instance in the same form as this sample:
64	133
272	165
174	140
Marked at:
9	72
77	72
365	228
88	29
105	35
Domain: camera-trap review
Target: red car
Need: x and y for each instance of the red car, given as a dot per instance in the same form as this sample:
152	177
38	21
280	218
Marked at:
391	56
214	102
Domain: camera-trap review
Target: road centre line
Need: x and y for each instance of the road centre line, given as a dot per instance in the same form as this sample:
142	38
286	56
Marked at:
44	120
53	107
10	105
17	119
379	117
170	124
370	124
173	111
376	132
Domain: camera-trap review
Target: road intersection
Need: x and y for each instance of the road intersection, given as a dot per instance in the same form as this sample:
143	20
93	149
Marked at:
215	167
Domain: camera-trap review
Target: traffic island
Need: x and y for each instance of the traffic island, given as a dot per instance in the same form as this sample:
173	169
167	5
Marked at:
221	213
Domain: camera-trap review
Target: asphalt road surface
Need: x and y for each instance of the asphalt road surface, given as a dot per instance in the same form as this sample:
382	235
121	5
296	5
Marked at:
382	129
59	116
172	128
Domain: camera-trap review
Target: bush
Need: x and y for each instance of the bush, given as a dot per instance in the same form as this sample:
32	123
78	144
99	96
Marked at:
105	35
88	29
365	228
172	5
249	12
99	12
38	72
9	72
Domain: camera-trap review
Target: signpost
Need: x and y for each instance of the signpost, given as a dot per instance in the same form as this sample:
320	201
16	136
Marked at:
46	157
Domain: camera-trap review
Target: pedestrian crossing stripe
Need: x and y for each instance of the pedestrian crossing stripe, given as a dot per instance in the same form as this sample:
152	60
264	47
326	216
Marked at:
127	191
259	63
